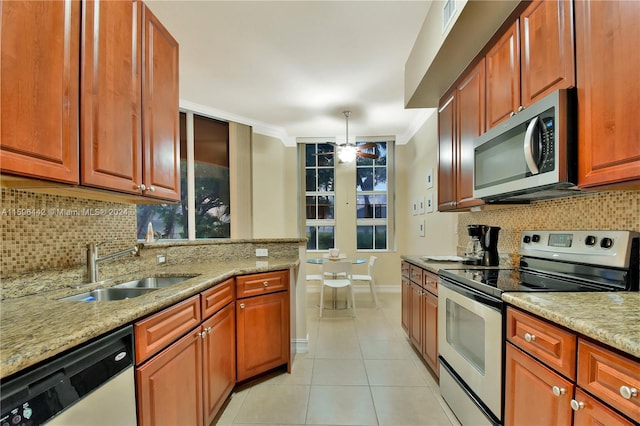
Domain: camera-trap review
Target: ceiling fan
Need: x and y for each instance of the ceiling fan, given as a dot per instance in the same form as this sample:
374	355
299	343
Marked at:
348	152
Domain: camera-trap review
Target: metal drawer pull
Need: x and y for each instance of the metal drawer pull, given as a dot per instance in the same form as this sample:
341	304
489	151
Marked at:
576	405
151	188
141	187
266	283
208	330
529	337
557	391
628	392
242	306
202	335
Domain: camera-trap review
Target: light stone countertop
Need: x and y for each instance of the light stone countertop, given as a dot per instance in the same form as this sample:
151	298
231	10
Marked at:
35	328
612	318
430	265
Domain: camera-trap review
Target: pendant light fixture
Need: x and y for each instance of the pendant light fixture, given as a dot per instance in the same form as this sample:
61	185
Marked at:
347	153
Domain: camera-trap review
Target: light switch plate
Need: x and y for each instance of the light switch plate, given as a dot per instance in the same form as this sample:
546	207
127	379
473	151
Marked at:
421	205
421	228
428	203
429	178
414	207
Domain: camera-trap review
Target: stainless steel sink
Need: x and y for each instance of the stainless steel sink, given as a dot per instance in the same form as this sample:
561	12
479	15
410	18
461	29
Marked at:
153	282
108	294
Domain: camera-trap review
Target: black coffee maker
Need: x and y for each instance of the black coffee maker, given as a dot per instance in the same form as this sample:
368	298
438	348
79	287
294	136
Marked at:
489	242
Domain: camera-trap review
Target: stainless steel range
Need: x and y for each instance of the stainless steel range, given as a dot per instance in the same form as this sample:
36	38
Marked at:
470	309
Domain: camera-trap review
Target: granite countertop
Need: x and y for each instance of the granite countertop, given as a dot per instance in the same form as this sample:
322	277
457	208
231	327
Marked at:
430	265
610	318
34	328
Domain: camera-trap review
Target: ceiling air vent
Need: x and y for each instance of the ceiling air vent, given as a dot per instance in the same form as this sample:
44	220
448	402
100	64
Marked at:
448	10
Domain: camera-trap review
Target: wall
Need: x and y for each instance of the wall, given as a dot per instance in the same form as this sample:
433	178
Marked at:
618	210
413	162
275	188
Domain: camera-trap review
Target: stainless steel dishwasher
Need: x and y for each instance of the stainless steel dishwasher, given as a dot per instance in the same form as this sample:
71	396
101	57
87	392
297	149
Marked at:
91	385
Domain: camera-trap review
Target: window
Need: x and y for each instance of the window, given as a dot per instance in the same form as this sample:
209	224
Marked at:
371	199
320	196
209	192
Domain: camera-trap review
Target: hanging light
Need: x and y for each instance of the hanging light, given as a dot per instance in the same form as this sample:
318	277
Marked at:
347	153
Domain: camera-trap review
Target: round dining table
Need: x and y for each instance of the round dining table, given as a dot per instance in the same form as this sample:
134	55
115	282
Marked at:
321	260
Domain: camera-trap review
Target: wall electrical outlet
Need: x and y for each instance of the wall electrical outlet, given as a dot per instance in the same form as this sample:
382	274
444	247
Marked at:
161	259
429	203
262	252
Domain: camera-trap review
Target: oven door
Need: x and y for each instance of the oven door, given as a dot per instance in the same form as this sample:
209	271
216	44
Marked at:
470	341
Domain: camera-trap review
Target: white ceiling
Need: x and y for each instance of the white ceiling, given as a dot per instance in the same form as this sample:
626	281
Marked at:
289	68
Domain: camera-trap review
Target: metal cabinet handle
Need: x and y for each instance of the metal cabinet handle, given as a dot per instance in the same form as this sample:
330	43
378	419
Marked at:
520	108
141	187
151	188
202	335
512	114
266	283
208	330
242	306
529	337
576	405
628	392
557	391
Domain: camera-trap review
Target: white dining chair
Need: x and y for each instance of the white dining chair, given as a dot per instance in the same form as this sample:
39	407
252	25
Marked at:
336	275
369	278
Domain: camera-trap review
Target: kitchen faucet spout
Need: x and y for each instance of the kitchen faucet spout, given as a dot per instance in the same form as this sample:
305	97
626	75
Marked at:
93	259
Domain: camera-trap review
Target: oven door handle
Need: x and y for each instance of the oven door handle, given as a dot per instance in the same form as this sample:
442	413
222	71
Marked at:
473	294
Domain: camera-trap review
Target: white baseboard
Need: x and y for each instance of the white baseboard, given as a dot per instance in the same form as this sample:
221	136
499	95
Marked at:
301	345
315	288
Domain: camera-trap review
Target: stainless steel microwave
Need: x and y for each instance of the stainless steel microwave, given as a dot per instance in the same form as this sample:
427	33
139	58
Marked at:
531	156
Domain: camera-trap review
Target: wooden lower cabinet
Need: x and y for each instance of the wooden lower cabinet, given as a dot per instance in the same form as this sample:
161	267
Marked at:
591	412
415	325
219	360
430	331
420	312
169	386
262	340
529	390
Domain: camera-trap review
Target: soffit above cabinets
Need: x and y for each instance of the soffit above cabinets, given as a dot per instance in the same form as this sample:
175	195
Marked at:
437	59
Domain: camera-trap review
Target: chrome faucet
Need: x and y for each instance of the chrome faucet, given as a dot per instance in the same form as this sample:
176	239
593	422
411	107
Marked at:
93	259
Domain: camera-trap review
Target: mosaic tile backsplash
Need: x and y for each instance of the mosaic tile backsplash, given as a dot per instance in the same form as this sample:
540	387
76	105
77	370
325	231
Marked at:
43	231
619	210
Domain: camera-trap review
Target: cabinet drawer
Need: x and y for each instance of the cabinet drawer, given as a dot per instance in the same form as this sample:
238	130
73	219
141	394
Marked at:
610	377
256	284
415	274
216	298
158	331
550	344
430	282
405	269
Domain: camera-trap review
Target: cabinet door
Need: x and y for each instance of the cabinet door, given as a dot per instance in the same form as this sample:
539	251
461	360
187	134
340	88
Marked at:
529	392
415	325
503	77
161	123
110	121
219	360
39	64
406	305
607	60
169	386
446	153
592	413
263	334
430	336
470	123
548	61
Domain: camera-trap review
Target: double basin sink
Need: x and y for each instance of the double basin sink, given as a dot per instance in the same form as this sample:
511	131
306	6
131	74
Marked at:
127	290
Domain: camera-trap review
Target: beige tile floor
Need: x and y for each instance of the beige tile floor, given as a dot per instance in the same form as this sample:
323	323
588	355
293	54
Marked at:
359	371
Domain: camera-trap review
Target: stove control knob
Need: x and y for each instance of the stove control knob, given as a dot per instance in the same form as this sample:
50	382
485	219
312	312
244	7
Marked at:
526	239
590	240
606	243
536	238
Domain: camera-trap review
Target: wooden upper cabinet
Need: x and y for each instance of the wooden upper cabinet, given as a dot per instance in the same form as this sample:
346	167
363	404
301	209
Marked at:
446	153
503	77
110	121
547	58
161	123
39	105
470	124
608	59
